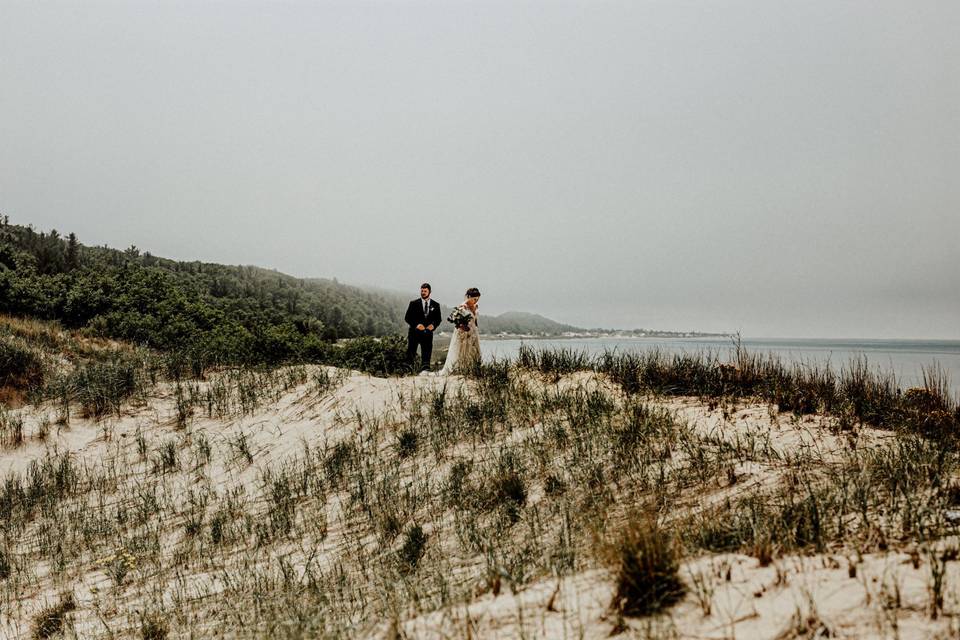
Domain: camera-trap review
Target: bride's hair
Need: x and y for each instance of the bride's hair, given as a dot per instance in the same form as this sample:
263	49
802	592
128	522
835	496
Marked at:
473	292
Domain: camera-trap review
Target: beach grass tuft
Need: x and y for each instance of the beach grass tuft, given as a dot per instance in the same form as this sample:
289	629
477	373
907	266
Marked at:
645	562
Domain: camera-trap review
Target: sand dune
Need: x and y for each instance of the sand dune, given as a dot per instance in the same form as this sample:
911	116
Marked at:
286	517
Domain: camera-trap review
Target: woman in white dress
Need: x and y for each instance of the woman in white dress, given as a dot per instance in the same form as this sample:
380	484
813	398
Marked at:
464	353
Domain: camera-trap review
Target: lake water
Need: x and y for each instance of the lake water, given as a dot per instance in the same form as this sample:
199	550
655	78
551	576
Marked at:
905	358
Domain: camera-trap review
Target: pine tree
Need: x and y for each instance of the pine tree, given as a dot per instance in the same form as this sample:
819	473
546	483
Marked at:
73	252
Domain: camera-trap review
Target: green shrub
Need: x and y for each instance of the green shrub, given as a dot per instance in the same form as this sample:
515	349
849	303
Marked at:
379	356
20	366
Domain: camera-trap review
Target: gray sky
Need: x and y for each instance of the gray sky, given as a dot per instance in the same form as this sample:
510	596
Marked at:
781	168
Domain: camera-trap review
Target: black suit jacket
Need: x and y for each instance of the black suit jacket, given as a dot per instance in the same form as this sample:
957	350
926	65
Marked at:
415	315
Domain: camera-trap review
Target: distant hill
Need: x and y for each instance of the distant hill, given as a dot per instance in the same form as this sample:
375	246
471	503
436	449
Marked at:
520	322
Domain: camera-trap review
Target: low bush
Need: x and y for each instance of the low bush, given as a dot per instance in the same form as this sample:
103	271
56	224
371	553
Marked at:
20	366
379	356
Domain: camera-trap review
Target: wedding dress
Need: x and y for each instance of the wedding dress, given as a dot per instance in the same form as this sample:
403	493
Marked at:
464	352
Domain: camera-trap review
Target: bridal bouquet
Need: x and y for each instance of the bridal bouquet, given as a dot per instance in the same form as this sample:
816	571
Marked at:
461	318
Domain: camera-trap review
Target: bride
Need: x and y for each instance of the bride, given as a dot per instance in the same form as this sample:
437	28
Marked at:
464	353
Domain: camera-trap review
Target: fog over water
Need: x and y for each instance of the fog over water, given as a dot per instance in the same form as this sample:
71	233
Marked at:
777	168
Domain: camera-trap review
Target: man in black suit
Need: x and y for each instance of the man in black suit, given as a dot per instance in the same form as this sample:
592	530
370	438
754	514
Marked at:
423	316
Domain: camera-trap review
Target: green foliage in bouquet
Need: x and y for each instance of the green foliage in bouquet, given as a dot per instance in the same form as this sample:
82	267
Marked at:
460	317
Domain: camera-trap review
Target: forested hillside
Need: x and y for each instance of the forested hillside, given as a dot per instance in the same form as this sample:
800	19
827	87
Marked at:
214	312
519	322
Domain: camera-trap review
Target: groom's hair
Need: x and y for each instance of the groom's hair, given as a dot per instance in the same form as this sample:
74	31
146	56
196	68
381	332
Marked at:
426	285
473	292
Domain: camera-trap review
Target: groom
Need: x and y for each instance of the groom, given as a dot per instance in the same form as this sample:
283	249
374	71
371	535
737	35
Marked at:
423	316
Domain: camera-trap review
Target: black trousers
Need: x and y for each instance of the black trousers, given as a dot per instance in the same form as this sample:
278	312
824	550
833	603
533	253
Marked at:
423	339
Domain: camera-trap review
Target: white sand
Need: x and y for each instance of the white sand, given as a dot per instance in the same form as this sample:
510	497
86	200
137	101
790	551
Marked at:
796	592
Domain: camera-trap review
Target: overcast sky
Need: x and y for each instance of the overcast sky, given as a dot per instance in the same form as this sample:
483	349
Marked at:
779	168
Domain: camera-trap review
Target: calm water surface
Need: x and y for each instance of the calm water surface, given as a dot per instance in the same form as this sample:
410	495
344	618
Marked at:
905	358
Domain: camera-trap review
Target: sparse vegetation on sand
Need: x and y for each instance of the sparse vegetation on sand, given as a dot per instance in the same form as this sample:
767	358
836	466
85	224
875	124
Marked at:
855	394
641	495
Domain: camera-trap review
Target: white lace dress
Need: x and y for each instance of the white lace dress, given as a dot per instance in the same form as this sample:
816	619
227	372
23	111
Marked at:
464	352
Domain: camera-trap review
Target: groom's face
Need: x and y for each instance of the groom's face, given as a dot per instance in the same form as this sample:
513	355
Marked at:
424	293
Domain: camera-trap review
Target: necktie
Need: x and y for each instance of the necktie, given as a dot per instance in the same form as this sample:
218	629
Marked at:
426	308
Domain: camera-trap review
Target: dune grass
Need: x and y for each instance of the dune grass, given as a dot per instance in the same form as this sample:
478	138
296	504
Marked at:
517	473
857	393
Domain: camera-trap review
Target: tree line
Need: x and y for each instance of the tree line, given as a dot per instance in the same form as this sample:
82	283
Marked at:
213	313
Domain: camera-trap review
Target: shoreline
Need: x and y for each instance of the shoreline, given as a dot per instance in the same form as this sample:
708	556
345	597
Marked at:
761	340
588	336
